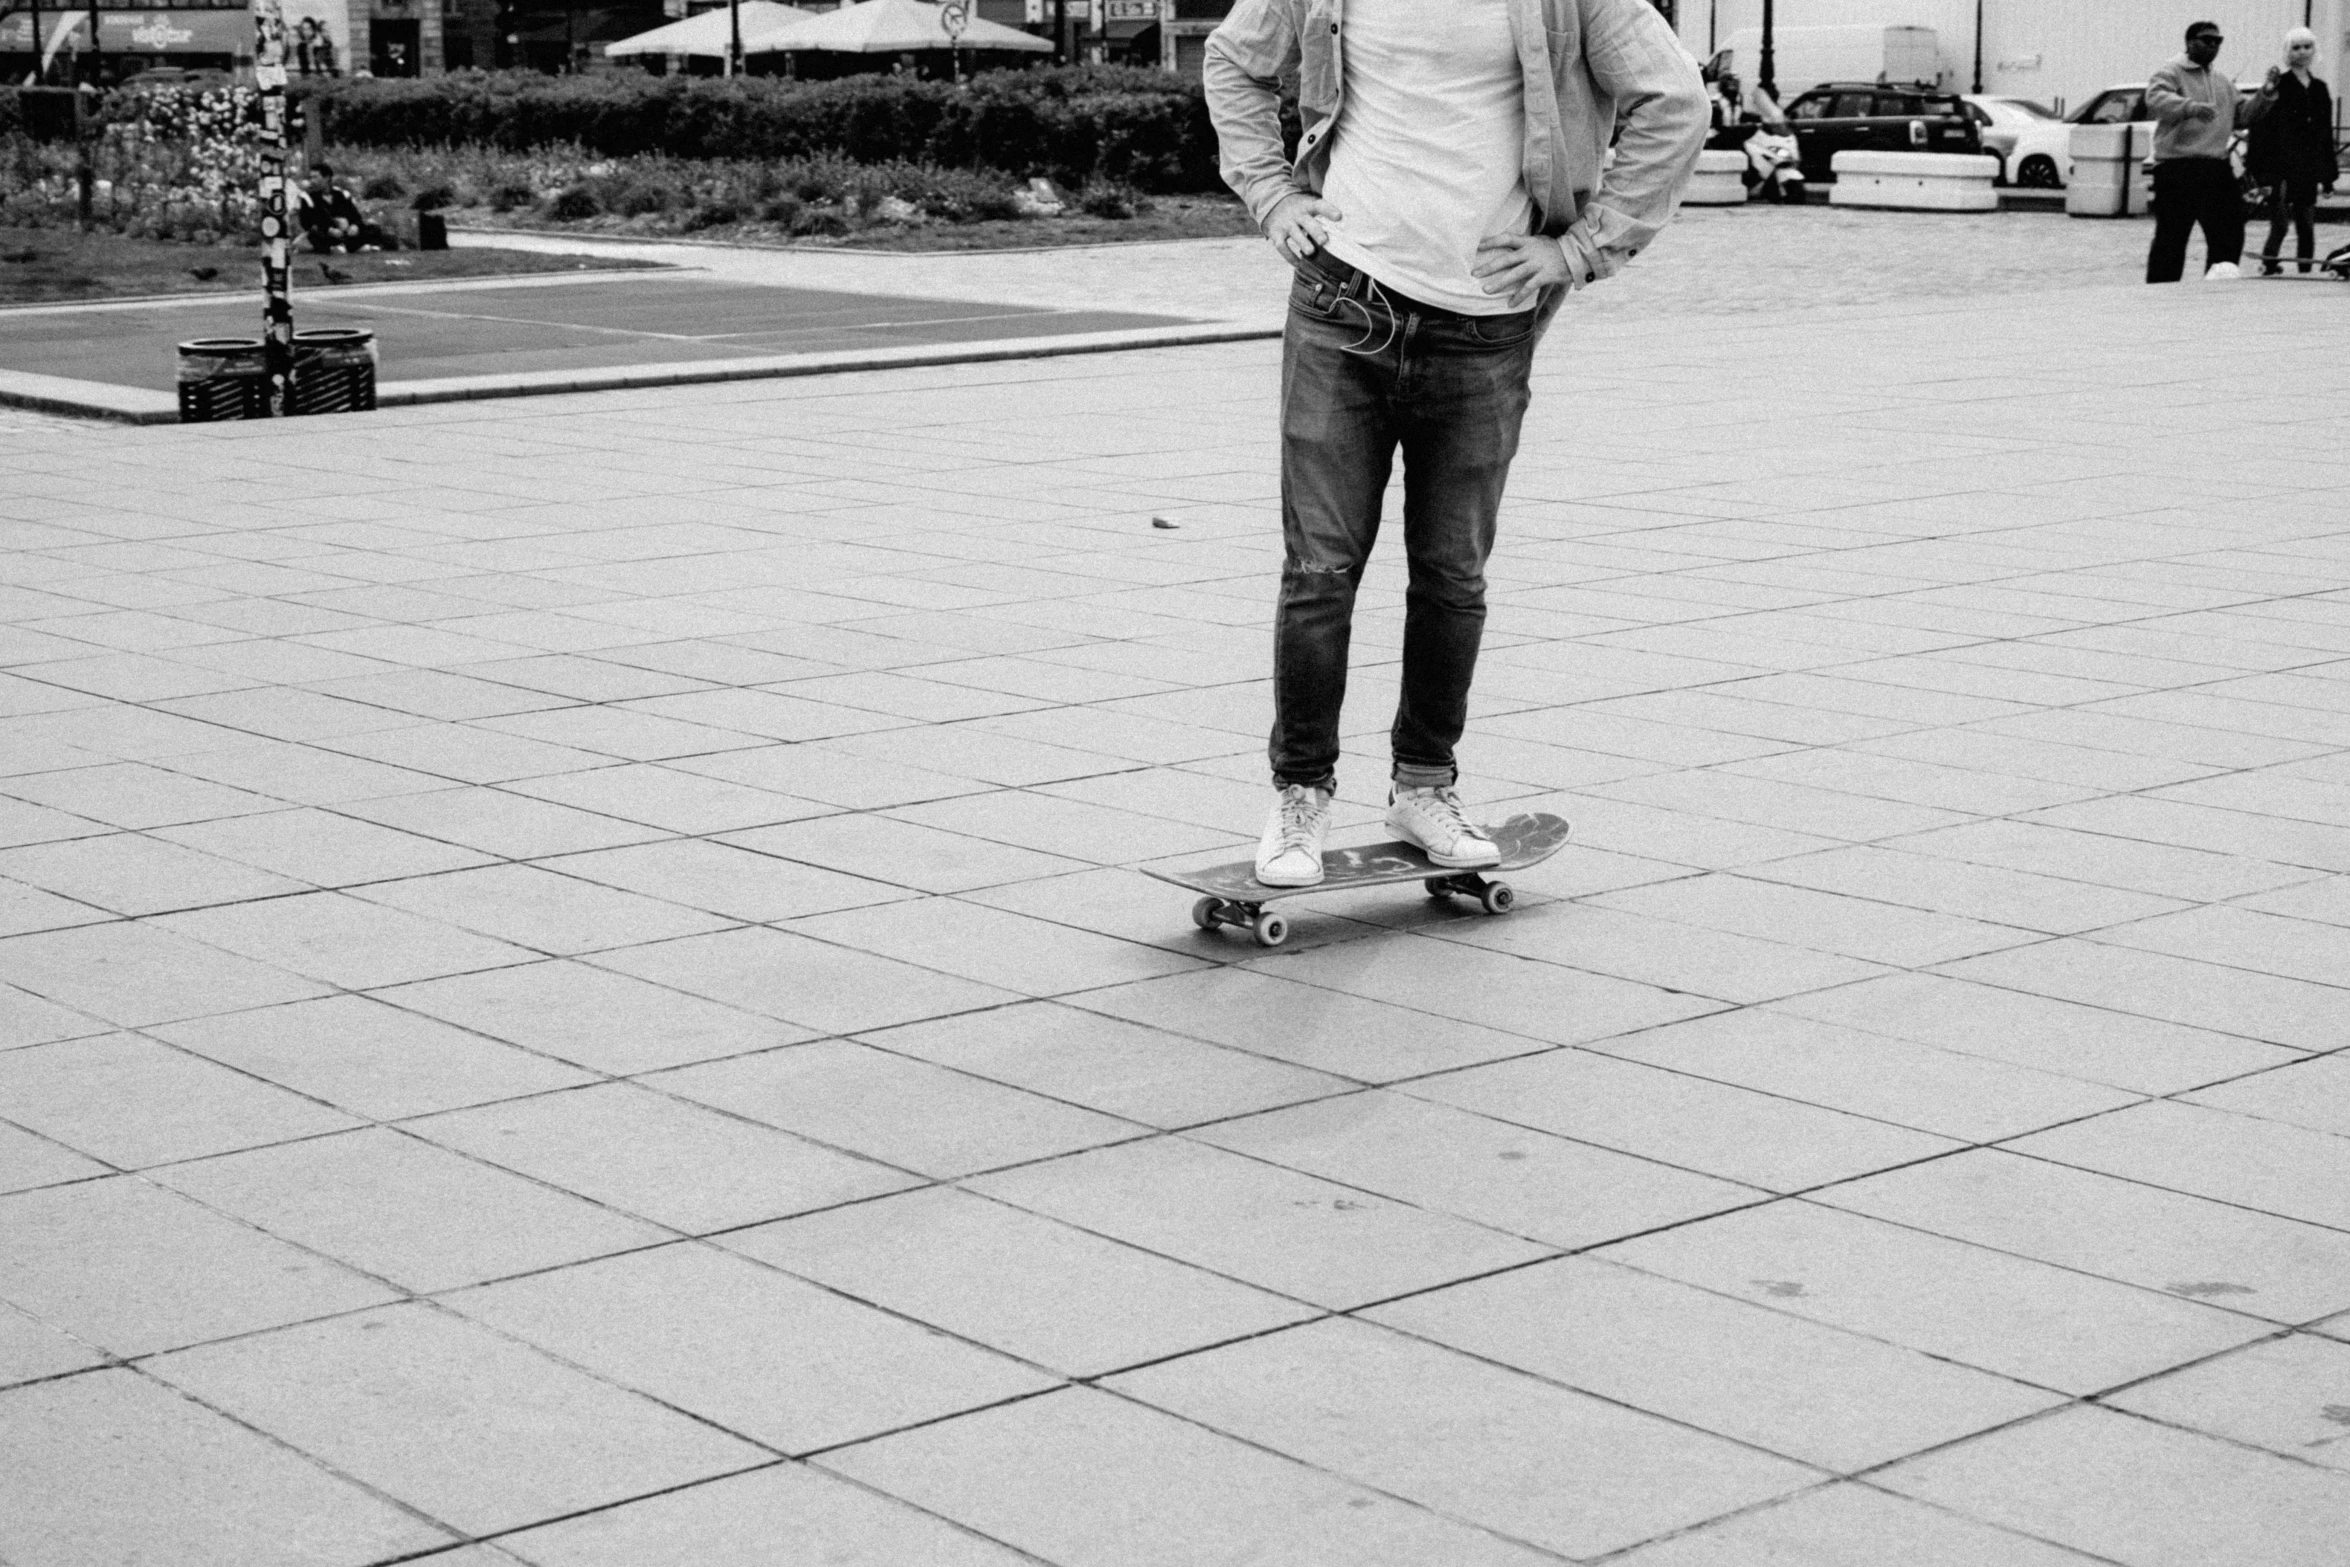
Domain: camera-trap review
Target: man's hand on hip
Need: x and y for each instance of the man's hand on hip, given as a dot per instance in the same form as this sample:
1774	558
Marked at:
1295	226
1520	264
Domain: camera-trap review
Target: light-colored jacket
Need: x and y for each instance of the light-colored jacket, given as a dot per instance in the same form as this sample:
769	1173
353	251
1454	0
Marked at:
1587	63
2177	85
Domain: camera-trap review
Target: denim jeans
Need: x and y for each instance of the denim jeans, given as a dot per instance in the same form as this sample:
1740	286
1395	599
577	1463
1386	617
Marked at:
1361	380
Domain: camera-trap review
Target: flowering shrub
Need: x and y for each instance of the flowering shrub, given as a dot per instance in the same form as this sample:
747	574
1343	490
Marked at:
169	163
181	163
654	194
1140	127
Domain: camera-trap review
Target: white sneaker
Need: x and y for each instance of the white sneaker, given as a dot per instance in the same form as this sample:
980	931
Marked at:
1290	852
2226	271
1432	819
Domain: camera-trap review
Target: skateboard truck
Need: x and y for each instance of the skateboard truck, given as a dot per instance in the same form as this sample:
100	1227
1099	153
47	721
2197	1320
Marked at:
1271	927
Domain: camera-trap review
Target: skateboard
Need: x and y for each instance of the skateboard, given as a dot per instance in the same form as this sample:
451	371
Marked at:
1234	896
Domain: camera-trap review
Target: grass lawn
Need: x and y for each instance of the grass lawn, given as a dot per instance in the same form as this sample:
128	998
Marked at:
1166	217
47	265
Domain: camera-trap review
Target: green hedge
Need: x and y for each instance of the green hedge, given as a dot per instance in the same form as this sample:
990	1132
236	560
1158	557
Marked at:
1140	127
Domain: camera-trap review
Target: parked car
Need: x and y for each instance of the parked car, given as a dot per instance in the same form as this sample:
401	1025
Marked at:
2123	105
2126	105
1839	117
2033	145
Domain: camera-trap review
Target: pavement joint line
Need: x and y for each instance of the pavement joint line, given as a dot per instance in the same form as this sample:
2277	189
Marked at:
1388	1489
1007	313
141	405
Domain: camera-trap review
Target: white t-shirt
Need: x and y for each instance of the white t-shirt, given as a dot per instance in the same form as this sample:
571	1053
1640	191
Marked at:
1428	156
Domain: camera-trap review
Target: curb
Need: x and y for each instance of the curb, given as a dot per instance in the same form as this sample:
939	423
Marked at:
488	241
56	394
342	290
140	405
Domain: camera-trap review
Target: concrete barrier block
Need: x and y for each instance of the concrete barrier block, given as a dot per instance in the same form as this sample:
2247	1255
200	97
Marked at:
2109	178
1720	180
1916	181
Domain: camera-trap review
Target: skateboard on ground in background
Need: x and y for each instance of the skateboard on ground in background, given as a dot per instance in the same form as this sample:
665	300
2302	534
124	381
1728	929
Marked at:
1234	896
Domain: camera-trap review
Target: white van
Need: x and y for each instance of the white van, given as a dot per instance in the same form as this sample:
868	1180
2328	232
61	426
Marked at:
1803	57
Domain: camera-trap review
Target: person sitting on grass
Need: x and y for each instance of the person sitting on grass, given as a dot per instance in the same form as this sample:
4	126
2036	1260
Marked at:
331	218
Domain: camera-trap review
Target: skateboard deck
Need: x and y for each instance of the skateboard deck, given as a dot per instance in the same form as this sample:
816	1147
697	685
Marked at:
1232	895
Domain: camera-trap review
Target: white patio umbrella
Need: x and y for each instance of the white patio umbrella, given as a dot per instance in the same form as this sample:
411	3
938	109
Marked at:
707	33
888	27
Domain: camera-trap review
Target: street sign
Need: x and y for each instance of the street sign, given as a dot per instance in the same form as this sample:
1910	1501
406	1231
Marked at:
954	16
1133	10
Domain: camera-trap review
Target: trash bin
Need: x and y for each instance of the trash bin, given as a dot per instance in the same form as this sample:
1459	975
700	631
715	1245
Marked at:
432	231
334	370
223	378
2106	179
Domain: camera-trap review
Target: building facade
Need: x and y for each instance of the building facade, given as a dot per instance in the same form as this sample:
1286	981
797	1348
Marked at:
328	37
2054	51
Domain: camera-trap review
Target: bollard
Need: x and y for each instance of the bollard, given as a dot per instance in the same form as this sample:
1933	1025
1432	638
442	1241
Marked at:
1915	181
225	378
334	370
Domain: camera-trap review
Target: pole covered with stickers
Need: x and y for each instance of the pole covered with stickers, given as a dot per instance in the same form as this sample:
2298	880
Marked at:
277	309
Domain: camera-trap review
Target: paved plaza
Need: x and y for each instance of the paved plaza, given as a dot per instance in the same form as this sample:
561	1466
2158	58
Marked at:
579	987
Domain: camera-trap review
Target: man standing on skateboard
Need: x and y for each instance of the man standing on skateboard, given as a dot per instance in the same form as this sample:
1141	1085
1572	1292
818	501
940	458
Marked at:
1450	188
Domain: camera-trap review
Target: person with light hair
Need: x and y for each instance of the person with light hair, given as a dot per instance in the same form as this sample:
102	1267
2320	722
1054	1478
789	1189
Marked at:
2290	152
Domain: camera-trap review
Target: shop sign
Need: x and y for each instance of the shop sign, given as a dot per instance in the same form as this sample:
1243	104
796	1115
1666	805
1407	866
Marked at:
159	35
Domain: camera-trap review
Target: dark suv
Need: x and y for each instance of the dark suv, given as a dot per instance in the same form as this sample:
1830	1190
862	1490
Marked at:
1839	117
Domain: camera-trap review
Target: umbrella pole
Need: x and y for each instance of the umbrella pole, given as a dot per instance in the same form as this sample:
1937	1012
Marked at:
734	37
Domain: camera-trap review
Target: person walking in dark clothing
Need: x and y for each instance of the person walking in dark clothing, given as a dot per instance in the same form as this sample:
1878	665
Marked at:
2197	113
2291	153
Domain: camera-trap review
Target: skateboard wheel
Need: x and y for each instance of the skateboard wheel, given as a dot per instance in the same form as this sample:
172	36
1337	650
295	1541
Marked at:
1203	914
1271	929
1498	898
1438	886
